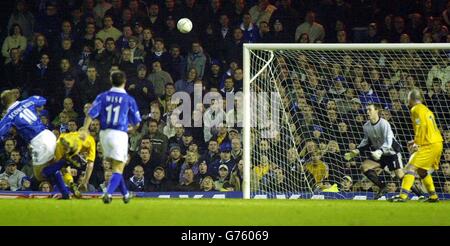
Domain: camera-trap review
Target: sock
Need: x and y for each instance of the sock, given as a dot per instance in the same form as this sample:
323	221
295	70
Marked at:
53	168
60	184
407	183
114	182
429	185
415	189
68	179
372	176
123	187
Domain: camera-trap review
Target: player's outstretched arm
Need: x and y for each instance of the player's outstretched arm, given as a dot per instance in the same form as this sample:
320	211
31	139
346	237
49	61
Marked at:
87	123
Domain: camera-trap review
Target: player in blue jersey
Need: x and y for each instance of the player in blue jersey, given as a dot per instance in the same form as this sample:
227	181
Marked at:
118	113
23	115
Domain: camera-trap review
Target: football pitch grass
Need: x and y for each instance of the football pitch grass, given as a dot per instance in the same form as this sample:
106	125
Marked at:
230	212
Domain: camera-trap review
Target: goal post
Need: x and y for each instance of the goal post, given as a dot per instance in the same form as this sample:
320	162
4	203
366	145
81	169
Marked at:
304	108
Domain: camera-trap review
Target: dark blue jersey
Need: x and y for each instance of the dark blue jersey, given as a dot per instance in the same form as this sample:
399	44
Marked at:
24	117
116	110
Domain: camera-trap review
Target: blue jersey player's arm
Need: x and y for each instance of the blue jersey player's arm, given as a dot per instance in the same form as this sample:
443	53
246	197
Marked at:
38	101
5	125
93	112
134	117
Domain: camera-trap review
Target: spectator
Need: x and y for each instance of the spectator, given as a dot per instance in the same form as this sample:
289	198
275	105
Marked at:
159	182
170	9
22	16
213	76
13	175
14	40
187	84
346	184
315	31
25	184
16	157
146	158
127	66
172	36
42	77
89	187
237	175
68	109
115	12
109	31
122	41
316	168
188	183
45	186
264	30
261	12
174	163
304	38
391	187
165	100
207	184
196	59
159	78
137	54
107	58
225	159
158	139
446	189
142	90
159	54
236	149
48	23
191	162
287	15
249	29
233	47
222	183
38	47
100	10
15	71
137	182
224	29
156	23
177	63
92	85
4	185
72	126
203	172
279	35
147	41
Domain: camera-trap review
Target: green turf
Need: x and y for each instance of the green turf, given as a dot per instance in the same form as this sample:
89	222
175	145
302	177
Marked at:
221	212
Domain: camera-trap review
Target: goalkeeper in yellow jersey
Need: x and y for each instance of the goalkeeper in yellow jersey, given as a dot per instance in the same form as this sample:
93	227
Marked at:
72	149
426	149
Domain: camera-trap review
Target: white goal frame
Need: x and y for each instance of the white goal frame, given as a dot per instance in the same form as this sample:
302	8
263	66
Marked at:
317	47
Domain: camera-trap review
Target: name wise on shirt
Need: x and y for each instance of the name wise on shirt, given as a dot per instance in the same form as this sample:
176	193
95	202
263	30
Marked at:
18	110
114	99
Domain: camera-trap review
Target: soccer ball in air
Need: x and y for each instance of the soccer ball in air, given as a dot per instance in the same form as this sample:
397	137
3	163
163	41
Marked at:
184	25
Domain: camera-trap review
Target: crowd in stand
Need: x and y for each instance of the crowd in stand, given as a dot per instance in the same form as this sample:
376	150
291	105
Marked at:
65	51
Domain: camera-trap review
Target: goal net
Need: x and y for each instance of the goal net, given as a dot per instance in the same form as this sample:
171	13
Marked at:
307	109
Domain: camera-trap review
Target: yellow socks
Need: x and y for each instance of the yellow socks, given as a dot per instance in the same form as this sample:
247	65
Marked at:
407	183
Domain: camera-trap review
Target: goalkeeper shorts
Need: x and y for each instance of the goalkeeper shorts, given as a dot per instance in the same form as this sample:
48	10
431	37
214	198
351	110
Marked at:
393	162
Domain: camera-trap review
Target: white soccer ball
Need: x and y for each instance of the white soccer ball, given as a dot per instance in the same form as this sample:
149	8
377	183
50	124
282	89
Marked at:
184	25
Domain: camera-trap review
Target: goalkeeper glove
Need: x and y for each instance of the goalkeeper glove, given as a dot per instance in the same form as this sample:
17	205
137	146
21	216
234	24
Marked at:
352	154
376	155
